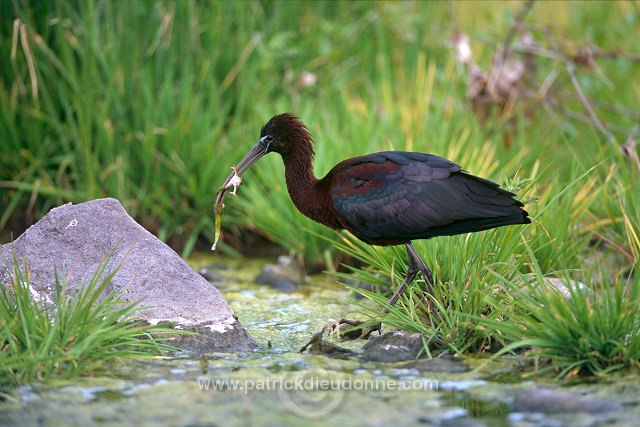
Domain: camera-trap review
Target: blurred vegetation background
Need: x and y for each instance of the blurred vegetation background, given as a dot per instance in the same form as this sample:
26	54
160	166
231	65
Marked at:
151	102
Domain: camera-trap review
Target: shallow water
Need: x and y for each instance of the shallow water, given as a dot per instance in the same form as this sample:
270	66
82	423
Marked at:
277	385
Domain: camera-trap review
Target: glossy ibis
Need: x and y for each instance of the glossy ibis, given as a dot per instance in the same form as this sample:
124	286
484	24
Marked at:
385	198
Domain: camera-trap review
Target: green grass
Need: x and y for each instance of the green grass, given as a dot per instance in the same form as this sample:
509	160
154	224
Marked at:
152	102
595	329
78	335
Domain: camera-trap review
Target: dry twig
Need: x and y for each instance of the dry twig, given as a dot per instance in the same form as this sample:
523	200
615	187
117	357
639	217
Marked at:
568	65
501	56
511	84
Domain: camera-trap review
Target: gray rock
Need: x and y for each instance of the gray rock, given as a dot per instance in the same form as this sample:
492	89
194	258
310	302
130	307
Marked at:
393	346
564	286
285	276
438	364
211	275
76	238
561	285
233	340
552	401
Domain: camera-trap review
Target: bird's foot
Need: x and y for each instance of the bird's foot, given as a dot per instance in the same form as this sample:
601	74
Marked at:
370	329
351	329
317	345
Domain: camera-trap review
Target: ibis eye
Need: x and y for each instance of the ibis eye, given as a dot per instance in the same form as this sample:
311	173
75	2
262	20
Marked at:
266	140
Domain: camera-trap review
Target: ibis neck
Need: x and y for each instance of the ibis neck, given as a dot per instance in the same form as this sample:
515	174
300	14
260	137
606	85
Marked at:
304	189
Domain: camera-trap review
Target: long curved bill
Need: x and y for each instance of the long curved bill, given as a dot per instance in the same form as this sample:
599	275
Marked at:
233	181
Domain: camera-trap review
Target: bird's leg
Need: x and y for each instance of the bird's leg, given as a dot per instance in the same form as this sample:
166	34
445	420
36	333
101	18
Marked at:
412	271
426	272
415	264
